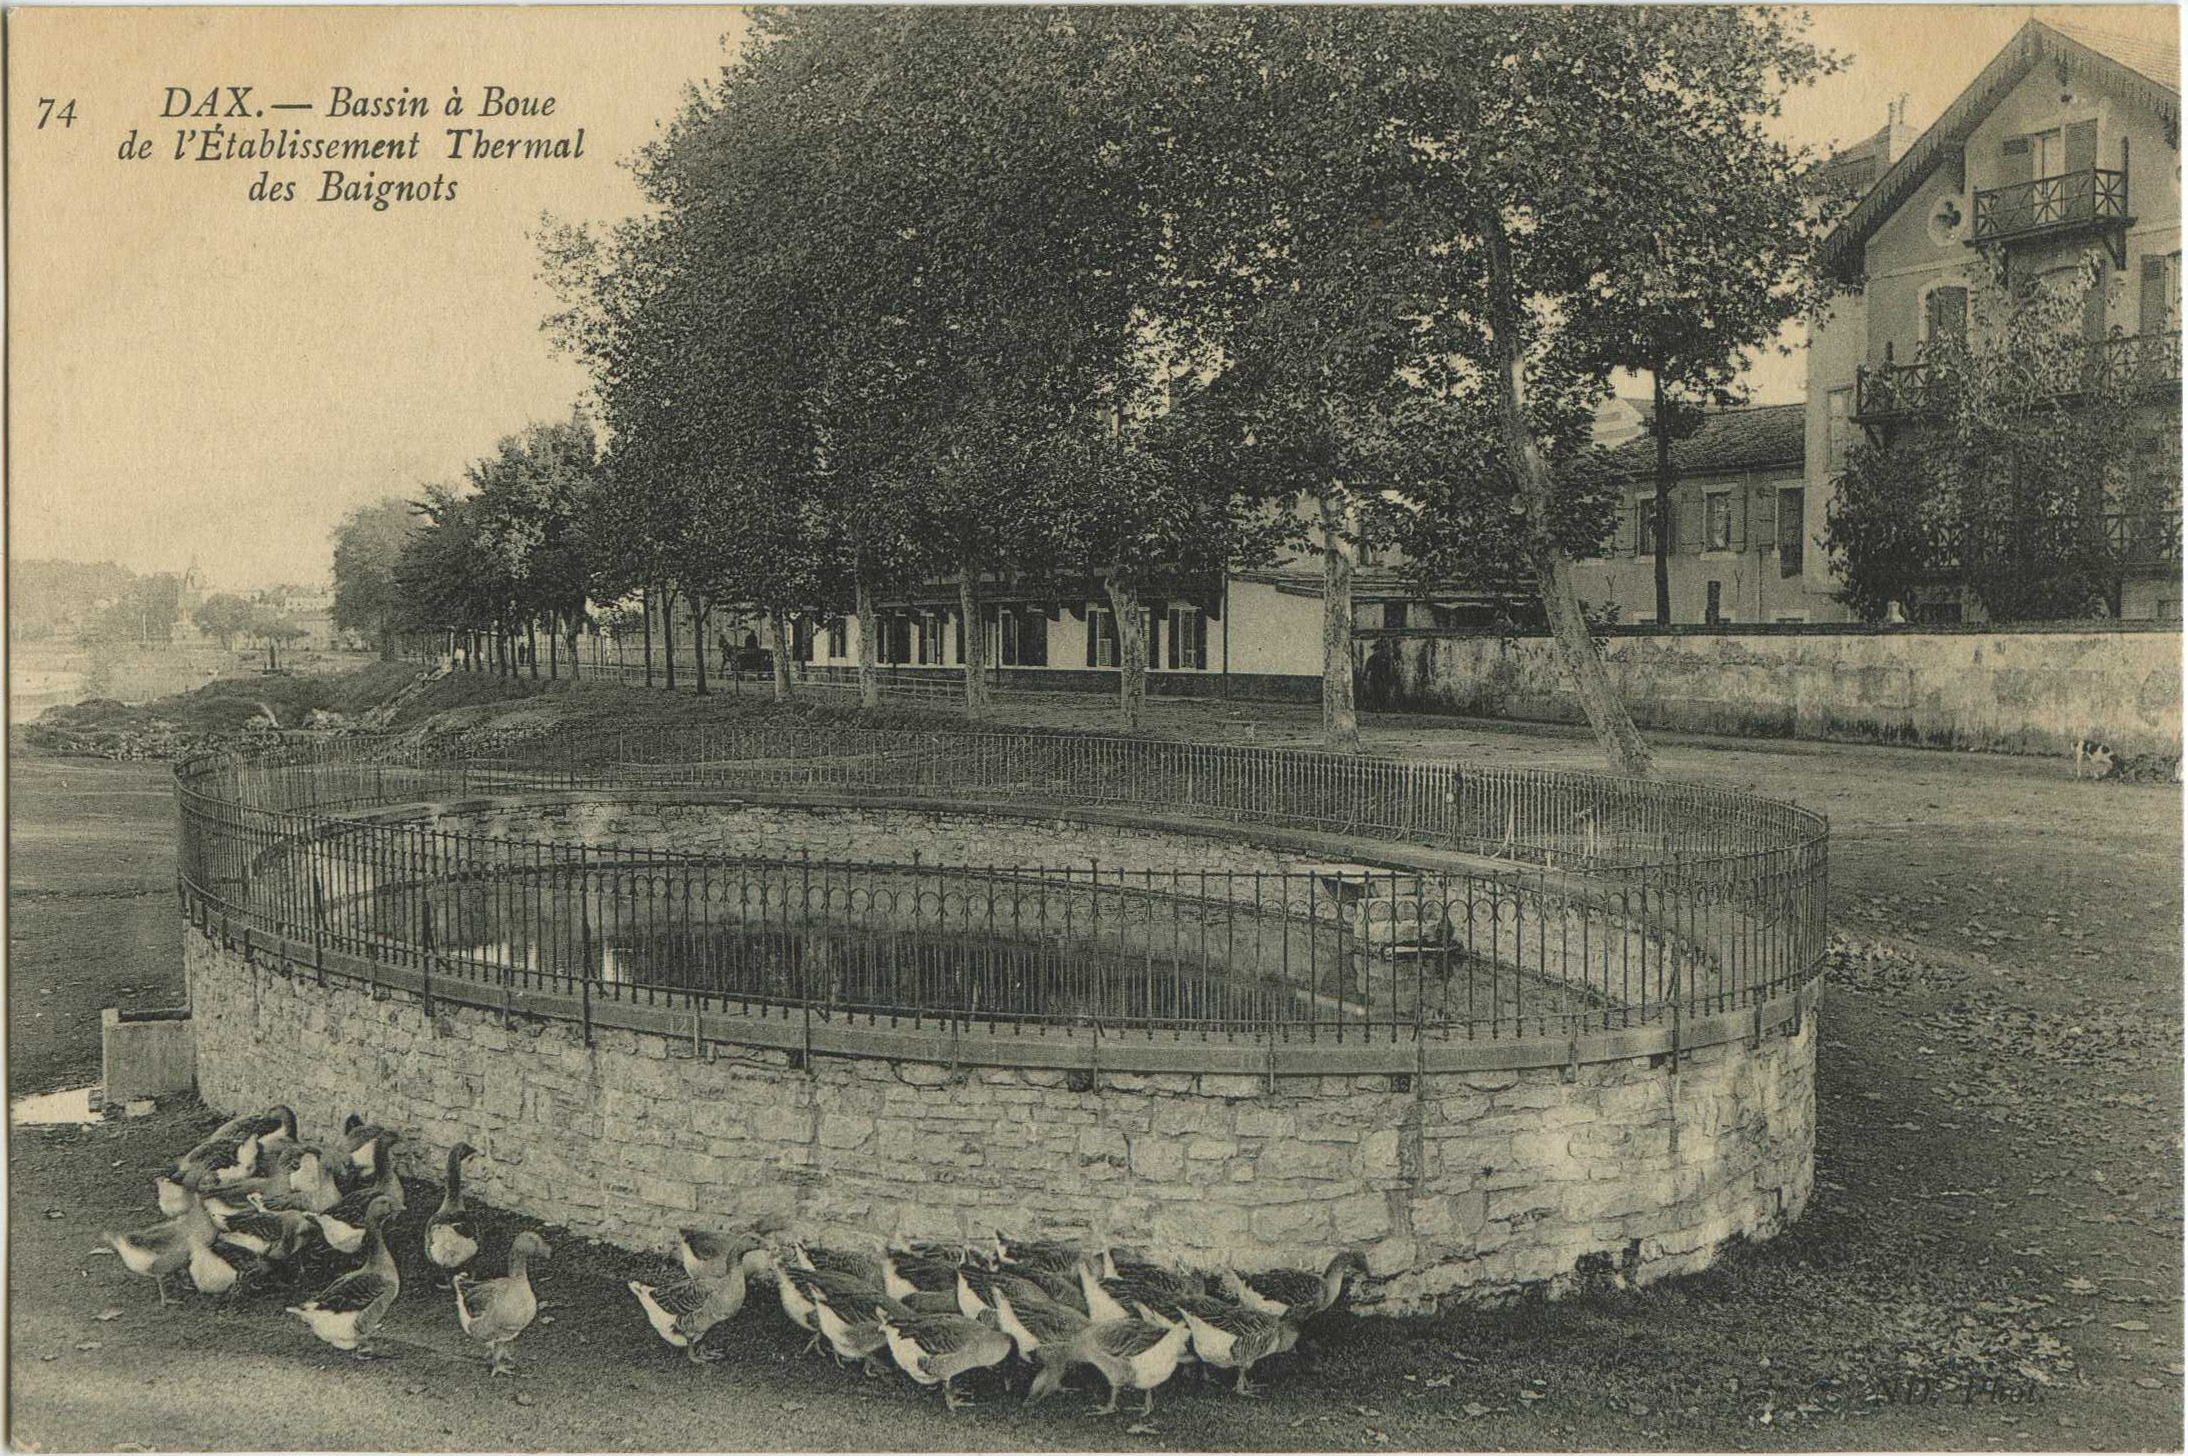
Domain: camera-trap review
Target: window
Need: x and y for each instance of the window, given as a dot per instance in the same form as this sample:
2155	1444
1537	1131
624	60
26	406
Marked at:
1032	637
2169	608
1792	529
1644	531
930	638
1101	637
2077	280
839	639
1717	520
1838	428
1188	637
1394	614
1102	648
2035	155
1714	611
1945	313
2160	295
801	639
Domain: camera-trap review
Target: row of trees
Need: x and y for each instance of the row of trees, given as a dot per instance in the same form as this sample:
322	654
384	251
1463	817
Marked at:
1134	294
513	550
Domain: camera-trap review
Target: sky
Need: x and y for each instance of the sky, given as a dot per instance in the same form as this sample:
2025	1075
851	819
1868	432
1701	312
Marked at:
194	374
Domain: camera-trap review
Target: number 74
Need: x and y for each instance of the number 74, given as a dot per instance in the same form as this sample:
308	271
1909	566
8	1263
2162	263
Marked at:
66	115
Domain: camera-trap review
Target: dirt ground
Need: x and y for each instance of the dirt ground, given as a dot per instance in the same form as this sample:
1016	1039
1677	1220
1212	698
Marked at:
1993	1258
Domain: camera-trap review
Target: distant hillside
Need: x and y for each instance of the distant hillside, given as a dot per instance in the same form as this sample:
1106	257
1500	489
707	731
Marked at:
71	598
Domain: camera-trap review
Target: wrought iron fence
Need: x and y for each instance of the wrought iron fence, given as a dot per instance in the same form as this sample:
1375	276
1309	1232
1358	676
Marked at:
2094	194
2137	362
1506	904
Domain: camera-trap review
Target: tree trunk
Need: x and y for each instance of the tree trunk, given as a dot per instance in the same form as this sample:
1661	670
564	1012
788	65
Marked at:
869	645
554	652
668	632
1340	719
1613	726
781	654
531	648
645	619
973	639
1663	504
698	642
576	626
1124	599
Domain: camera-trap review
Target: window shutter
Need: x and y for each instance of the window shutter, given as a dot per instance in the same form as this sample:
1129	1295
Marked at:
2152	312
1739	520
2081	145
2093	303
1688	536
2015	161
1622	533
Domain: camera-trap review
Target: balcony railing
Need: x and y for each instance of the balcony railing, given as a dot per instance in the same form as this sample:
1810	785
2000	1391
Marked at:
2051	204
2132	361
2115	541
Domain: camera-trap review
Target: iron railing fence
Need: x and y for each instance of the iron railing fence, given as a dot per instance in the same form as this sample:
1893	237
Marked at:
2134	362
2091	194
1559	904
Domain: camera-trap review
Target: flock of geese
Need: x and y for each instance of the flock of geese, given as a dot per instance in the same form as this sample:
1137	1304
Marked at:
253	1202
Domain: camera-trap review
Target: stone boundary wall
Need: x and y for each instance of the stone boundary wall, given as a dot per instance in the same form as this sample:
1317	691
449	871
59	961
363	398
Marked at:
2035	692
1532	1167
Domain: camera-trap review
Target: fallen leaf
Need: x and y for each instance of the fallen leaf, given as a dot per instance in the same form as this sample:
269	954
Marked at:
2131	1324
104	1315
2147	1382
412	1389
1141	1428
2080	1286
1475	1408
92	1345
523	1399
1439	1382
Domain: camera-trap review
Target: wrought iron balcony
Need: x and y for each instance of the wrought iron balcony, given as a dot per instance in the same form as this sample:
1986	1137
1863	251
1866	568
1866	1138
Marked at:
1910	391
2130	542
2092	196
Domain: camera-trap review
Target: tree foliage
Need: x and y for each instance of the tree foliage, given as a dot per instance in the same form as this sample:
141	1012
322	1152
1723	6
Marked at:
368	547
2036	478
1127	294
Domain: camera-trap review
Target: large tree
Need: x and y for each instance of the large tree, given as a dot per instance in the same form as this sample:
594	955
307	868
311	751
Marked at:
368	546
537	498
1555	151
223	615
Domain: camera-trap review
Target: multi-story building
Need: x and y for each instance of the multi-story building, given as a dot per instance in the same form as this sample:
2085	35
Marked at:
2068	140
1738	549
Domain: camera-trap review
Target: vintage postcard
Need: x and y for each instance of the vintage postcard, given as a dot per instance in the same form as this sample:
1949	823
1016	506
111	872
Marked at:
1006	727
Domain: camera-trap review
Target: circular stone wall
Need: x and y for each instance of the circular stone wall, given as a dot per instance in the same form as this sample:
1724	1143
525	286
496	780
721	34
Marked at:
1463	1169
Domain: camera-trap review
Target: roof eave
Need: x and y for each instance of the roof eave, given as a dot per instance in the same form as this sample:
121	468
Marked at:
1841	252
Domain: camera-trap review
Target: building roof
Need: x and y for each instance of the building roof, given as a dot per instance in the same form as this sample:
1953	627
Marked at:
1849	173
1756	438
2145	71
